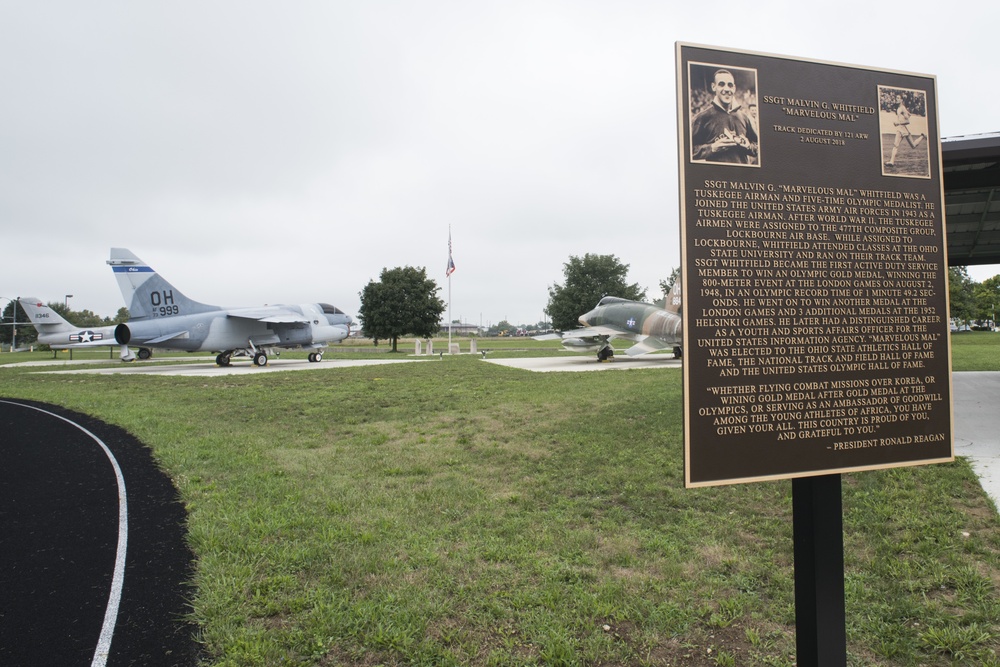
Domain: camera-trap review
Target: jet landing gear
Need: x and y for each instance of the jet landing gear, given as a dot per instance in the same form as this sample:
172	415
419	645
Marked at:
258	355
315	357
226	358
605	354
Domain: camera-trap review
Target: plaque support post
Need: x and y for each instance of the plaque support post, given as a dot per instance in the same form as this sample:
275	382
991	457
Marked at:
818	527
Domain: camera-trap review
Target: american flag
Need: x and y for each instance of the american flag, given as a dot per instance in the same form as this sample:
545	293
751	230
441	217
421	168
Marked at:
451	262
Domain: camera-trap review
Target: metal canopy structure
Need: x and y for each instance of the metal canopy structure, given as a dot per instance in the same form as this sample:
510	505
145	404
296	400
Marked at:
972	198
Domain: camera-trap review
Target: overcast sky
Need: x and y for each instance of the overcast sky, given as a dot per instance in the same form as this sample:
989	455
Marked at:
288	152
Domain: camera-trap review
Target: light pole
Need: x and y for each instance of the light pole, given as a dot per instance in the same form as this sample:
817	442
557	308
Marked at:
66	302
13	322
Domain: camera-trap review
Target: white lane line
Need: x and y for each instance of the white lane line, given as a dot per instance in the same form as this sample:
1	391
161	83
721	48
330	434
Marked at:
118	580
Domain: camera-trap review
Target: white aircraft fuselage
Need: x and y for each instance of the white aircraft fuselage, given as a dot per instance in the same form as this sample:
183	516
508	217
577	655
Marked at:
163	317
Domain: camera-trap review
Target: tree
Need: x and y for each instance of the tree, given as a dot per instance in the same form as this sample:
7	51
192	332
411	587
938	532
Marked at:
587	281
667	285
403	302
988	299
961	294
87	318
26	334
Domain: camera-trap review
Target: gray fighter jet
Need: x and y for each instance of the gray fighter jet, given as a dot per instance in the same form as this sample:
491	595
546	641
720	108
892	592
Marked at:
651	327
162	317
56	331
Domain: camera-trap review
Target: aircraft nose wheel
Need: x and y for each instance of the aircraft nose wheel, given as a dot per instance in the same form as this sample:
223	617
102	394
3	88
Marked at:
315	357
222	360
260	359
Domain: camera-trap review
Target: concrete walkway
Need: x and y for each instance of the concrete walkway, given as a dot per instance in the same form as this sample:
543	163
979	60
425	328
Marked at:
976	400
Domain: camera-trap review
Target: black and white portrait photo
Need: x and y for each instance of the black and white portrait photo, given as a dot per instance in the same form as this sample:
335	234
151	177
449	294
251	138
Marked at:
723	115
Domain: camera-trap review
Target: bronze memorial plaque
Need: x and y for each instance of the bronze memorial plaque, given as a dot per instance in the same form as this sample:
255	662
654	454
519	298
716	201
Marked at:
816	336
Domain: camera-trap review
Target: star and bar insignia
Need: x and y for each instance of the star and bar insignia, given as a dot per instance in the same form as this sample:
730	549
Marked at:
85	337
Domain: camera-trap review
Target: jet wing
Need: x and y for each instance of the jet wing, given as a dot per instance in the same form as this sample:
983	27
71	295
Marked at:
643	344
592	332
647	345
166	337
605	332
269	314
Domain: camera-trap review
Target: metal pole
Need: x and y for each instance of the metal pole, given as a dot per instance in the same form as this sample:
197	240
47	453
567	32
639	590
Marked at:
449	288
818	533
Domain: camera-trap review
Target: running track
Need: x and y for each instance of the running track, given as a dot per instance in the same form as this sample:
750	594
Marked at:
88	575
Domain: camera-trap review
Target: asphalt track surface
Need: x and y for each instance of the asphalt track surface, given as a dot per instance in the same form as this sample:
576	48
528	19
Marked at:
88	575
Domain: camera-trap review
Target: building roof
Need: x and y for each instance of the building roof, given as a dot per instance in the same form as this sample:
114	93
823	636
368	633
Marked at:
971	197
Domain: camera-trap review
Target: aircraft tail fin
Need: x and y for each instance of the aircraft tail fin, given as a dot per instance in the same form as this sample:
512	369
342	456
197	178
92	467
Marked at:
672	302
146	293
44	319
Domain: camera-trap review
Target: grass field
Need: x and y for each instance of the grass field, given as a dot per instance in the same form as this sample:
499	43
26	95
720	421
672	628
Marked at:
457	512
975	351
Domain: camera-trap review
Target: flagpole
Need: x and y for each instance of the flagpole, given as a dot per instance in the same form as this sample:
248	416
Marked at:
451	270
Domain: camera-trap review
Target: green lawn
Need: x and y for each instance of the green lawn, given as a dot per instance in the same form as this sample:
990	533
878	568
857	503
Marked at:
456	512
975	351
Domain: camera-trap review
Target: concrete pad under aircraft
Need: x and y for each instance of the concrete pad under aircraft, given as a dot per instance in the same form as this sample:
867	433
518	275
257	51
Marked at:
572	363
210	369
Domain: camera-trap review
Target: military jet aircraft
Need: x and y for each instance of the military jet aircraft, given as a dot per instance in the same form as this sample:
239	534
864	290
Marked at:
55	331
651	327
162	317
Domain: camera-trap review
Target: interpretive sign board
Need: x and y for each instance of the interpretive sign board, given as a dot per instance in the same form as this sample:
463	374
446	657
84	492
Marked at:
816	337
